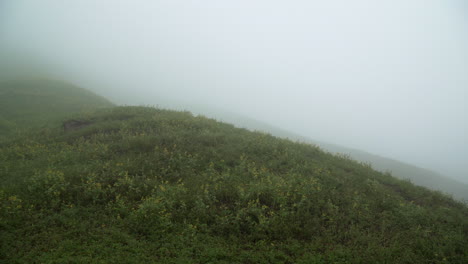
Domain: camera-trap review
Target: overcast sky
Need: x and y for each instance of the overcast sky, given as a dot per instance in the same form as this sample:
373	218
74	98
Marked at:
388	77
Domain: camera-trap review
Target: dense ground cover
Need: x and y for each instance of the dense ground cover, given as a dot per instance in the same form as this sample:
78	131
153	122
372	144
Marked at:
146	185
140	185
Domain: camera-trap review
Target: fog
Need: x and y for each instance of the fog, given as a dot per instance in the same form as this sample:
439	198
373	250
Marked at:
387	77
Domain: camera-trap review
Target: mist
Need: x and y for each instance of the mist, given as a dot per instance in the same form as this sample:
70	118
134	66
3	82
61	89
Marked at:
387	77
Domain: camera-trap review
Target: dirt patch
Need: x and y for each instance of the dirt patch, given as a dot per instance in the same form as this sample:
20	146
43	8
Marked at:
73	125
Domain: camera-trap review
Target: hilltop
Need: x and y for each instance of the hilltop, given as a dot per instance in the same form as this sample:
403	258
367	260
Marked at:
148	185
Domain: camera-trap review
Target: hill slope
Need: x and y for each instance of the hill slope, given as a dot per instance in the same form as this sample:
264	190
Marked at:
145	185
423	177
402	170
36	102
416	175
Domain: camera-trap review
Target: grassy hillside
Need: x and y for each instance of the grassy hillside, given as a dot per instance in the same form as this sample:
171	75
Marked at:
145	185
38	102
401	170
417	175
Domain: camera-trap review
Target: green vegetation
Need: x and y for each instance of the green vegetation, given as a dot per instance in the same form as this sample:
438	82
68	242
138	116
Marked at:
146	185
399	169
33	103
416	175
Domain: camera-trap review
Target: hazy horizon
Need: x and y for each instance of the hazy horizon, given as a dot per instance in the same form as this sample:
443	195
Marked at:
387	77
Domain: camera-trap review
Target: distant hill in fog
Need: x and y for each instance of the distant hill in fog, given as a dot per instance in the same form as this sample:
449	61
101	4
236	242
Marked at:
38	102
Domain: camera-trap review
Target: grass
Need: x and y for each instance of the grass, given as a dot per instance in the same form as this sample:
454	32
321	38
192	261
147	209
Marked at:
147	185
33	103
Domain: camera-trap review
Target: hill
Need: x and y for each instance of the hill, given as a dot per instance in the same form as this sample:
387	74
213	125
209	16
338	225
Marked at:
445	182
147	185
402	170
419	176
35	102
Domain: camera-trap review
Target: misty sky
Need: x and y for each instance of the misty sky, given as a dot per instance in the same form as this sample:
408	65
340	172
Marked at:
388	77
